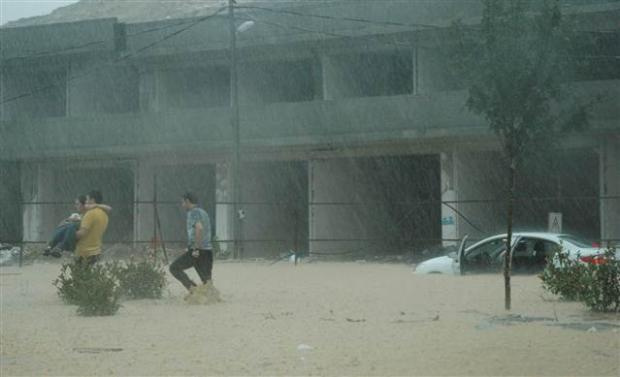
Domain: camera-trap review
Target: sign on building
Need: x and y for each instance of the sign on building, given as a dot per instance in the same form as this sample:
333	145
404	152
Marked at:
555	222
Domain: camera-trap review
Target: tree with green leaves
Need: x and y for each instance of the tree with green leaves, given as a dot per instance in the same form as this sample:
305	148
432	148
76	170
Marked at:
515	64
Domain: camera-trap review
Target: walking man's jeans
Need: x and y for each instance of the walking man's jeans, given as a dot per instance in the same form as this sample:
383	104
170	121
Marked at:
203	264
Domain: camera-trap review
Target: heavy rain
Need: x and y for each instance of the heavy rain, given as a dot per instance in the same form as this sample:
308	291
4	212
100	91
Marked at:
310	187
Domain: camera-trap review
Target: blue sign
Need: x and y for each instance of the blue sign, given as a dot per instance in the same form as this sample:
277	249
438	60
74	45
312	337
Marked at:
448	220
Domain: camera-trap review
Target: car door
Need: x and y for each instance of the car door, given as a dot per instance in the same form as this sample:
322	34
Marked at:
459	255
484	256
530	254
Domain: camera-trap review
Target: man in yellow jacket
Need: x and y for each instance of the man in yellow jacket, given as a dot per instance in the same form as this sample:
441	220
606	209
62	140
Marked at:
92	228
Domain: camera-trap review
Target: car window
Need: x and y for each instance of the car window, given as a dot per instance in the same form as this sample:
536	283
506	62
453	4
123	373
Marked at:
575	241
491	248
532	252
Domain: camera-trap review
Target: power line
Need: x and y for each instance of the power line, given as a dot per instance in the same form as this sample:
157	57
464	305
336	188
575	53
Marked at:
351	19
56	52
275	24
122	58
171	35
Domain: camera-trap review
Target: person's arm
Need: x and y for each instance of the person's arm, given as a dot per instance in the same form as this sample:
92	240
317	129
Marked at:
104	207
197	238
85	226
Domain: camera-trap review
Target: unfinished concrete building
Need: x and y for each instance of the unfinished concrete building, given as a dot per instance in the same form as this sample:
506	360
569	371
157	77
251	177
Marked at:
354	134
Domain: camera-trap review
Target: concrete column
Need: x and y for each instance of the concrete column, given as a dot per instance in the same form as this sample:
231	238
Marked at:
449	216
37	188
338	81
432	72
148	92
474	181
223	206
143	212
610	189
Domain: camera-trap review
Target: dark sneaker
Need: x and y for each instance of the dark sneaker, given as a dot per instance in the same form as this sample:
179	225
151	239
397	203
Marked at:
47	251
55	252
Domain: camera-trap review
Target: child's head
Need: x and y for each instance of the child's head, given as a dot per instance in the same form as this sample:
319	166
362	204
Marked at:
79	203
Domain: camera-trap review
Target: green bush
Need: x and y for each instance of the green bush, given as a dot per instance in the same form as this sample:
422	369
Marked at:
601	284
563	276
66	283
596	285
141	279
94	289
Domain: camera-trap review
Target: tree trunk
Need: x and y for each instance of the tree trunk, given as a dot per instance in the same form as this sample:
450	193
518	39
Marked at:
508	254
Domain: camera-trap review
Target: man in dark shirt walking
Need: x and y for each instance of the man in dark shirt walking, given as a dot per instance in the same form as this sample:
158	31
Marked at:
199	252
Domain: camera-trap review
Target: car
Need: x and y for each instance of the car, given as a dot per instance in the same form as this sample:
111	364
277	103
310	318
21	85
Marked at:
530	252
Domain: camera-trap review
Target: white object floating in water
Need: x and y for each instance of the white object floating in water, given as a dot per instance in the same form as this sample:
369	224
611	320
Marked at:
592	329
304	347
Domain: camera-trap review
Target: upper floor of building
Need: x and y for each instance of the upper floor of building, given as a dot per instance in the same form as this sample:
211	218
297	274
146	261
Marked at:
303	73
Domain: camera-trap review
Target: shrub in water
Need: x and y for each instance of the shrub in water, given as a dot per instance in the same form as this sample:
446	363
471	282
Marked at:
65	283
141	279
563	276
94	289
601	283
595	284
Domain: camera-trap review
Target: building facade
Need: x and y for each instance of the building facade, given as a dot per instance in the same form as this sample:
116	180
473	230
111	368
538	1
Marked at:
355	137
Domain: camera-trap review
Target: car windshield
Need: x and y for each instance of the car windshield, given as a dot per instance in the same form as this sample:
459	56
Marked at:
575	241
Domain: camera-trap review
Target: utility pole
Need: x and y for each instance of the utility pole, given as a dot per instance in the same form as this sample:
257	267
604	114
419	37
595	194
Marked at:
236	137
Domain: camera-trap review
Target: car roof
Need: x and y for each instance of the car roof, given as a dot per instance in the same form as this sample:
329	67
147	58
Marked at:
555	237
547	235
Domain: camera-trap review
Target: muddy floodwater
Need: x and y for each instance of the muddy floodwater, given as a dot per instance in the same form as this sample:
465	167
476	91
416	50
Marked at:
319	318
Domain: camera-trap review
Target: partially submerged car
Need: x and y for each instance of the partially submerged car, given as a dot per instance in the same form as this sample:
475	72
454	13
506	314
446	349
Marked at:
530	252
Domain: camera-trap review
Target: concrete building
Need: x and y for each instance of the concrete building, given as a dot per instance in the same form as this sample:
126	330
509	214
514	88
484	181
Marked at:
354	133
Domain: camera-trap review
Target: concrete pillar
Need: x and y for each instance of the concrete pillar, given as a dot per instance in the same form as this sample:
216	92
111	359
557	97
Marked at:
449	216
223	206
431	71
37	192
610	189
338	81
148	90
143	211
474	181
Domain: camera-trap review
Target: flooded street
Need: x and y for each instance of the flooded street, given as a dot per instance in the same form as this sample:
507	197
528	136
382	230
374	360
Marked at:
314	319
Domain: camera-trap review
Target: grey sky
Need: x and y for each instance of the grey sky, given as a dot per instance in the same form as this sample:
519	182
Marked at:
11	10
